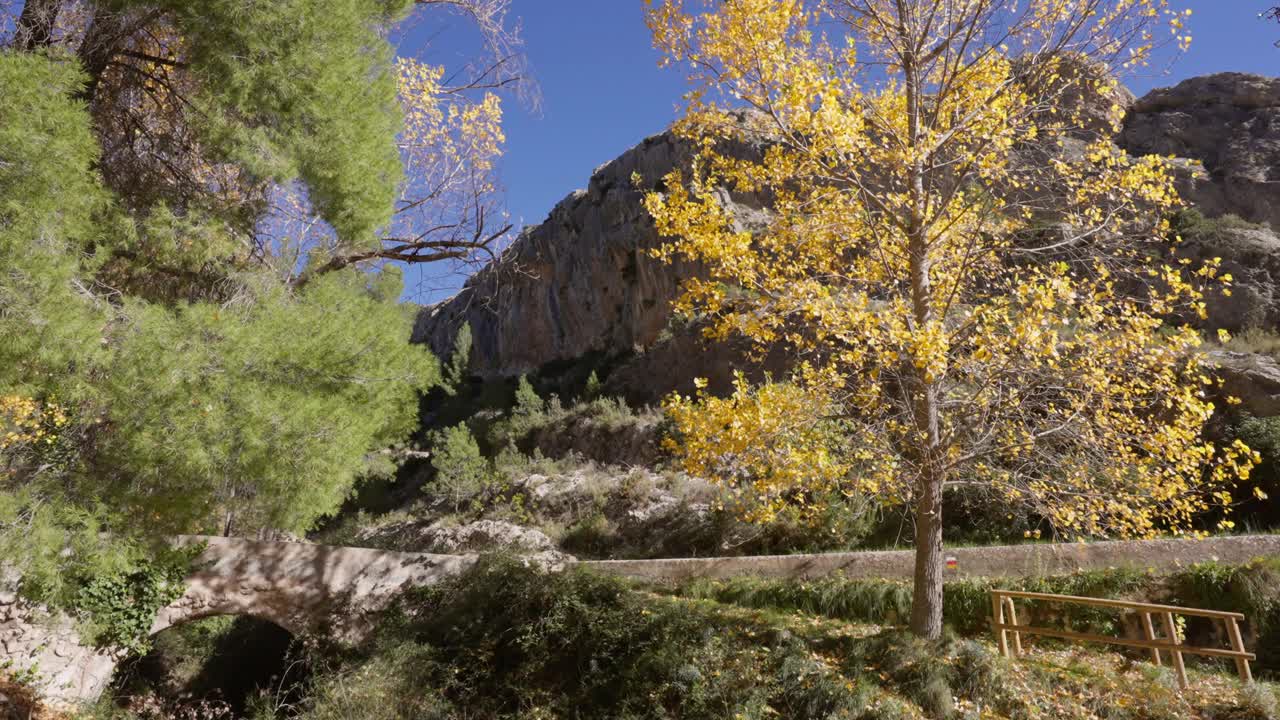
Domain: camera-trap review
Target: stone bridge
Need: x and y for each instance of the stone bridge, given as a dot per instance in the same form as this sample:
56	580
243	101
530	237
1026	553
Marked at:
338	591
303	588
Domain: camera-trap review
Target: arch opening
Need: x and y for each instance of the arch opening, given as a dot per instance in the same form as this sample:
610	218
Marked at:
218	667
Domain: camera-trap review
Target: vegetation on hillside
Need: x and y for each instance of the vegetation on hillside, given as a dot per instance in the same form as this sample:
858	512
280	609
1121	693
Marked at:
508	640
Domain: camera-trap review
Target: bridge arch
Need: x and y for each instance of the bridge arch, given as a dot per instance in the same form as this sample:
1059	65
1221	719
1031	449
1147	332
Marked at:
301	587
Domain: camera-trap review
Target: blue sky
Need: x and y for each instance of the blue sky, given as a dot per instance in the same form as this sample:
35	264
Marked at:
602	89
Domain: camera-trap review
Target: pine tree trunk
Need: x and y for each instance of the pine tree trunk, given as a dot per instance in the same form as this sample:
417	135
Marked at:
35	26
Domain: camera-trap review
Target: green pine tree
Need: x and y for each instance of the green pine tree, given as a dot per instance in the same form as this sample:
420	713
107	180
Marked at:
461	471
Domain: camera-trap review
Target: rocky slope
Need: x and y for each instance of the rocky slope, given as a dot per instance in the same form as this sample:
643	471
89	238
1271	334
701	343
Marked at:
583	281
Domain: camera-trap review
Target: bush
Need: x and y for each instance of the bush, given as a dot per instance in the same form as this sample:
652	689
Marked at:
461	471
1263	435
833	522
528	402
590	536
506	640
966	603
396	682
1252	589
118	608
884	602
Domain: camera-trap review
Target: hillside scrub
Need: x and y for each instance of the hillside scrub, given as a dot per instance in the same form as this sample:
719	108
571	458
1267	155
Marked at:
506	640
600	428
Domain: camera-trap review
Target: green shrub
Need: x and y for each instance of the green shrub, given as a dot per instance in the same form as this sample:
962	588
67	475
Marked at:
1263	435
118	608
593	387
966	603
454	373
396	682
591	536
461	471
1252	589
883	602
506	640
527	402
835	522
1257	702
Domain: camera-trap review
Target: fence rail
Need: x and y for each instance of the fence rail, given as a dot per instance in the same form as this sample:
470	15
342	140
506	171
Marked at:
1006	627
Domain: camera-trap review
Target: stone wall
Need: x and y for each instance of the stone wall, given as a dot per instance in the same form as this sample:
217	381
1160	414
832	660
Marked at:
47	647
997	561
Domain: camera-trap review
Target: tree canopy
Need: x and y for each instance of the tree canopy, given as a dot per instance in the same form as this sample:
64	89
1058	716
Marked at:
199	203
976	285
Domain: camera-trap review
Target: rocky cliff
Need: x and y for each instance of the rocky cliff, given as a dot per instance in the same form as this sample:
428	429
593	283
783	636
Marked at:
1230	122
583	281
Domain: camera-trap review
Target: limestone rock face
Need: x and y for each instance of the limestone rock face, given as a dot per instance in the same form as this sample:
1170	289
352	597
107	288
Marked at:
477	537
1230	122
1254	378
66	670
1251	255
582	281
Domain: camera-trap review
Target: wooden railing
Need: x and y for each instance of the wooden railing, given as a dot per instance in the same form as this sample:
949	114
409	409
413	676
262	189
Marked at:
1007	625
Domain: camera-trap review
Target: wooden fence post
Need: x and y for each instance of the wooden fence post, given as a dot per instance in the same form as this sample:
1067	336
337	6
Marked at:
1237	644
1013	620
1149	632
997	607
1172	631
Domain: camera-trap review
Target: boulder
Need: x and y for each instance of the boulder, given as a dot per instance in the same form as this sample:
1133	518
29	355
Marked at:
1254	378
1230	123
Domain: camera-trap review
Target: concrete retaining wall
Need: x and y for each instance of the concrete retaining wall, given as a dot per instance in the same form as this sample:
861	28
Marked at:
995	561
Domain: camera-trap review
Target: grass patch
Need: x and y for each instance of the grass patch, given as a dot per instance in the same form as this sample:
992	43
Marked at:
1252	588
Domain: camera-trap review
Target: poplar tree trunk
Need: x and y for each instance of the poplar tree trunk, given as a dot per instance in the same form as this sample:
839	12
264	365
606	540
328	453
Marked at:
926	604
926	600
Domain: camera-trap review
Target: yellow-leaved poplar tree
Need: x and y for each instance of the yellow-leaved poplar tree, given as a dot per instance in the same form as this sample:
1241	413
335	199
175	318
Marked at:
977	286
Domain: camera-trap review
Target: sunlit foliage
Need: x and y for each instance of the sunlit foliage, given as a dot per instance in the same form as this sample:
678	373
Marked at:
168	364
974	280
